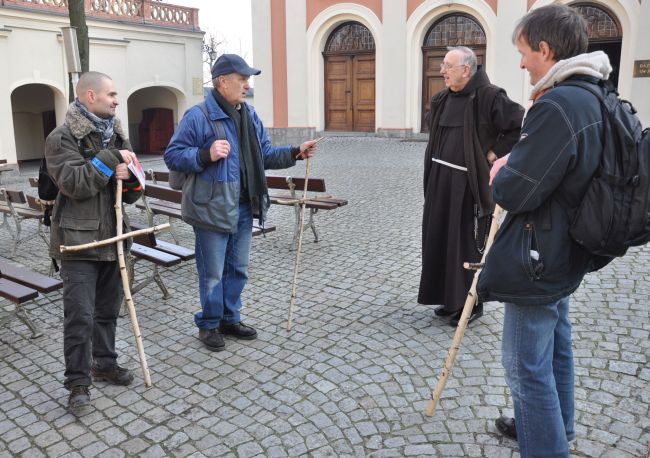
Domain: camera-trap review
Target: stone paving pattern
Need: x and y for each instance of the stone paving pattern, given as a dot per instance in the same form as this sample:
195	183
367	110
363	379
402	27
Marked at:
354	375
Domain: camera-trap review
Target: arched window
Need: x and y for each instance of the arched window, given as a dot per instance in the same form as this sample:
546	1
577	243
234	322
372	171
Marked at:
350	37
601	24
455	30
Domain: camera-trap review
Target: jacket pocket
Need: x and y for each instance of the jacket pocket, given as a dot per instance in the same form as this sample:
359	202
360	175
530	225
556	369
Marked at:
531	256
198	190
78	231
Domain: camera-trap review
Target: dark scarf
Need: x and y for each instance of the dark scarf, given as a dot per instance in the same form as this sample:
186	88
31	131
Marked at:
251	166
103	126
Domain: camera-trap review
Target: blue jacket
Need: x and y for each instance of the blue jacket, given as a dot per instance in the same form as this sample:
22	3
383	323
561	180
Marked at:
541	186
211	193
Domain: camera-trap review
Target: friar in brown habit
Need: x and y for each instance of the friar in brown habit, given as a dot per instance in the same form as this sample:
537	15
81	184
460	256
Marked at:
471	124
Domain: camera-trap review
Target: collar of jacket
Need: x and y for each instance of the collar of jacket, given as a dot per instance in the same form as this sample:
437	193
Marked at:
215	112
81	127
594	64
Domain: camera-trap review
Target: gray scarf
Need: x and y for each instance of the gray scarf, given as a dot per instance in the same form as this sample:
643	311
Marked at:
103	126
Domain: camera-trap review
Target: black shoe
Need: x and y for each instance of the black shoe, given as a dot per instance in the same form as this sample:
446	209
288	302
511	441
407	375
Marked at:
506	426
477	312
115	375
212	340
79	398
238	330
441	311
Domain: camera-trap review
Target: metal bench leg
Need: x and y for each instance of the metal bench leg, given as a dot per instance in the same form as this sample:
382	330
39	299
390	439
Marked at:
312	212
5	222
24	317
172	230
154	277
158	279
17	240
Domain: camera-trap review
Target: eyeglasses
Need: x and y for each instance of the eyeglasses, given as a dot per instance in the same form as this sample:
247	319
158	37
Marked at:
447	66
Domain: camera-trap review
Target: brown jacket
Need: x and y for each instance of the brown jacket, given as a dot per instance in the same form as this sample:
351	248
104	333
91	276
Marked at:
85	207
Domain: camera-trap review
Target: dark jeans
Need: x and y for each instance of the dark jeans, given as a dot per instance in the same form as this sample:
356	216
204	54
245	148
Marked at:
92	294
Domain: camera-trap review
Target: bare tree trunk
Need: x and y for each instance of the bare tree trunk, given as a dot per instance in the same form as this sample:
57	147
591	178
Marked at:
77	15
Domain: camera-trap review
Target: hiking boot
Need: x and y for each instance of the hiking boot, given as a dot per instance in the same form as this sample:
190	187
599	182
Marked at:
79	397
238	330
211	339
506	426
115	375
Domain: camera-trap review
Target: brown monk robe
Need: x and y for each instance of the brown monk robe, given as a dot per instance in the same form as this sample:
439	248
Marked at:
465	123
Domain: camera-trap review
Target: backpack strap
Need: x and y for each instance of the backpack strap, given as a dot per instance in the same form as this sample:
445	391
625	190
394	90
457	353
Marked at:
217	127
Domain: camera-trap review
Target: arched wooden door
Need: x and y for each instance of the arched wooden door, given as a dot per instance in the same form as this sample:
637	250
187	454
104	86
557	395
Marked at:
605	34
350	79
452	30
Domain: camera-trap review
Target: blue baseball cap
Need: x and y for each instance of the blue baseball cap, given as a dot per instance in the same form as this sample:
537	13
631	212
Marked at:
232	63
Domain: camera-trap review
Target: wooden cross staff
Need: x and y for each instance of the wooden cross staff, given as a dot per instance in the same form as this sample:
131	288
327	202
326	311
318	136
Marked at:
123	272
300	233
464	318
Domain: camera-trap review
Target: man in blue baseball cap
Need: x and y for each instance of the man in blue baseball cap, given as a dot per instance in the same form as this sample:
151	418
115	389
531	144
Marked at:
222	145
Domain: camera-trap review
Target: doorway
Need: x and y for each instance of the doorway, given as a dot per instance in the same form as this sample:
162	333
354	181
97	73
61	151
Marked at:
455	29
350	79
605	34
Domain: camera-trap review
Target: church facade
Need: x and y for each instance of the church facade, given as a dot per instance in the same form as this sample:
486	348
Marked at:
373	65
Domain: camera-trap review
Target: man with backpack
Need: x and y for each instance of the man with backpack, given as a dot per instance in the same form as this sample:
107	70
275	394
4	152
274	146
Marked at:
535	263
222	146
84	158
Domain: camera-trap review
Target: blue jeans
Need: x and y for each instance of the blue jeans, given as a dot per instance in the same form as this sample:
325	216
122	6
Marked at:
538	362
222	265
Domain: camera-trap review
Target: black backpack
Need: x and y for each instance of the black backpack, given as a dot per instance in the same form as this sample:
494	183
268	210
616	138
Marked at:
615	212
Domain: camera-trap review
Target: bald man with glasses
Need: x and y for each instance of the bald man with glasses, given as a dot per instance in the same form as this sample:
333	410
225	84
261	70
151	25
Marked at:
471	124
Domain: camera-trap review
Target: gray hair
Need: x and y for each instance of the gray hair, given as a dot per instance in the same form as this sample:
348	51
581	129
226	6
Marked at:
468	57
562	27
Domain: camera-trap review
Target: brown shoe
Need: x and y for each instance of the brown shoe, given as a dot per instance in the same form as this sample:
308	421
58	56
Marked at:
506	426
211	339
115	375
79	398
238	330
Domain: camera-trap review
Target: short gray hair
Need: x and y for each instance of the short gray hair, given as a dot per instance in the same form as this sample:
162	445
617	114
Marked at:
468	57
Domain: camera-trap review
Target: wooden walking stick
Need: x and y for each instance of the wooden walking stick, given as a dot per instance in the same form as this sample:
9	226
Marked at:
127	289
464	318
118	238
300	233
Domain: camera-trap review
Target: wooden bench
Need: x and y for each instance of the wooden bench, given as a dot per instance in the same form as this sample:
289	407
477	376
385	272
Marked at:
314	202
19	207
159	199
20	285
161	254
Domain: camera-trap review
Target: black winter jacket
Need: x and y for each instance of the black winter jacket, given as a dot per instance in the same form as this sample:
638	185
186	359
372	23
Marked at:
541	186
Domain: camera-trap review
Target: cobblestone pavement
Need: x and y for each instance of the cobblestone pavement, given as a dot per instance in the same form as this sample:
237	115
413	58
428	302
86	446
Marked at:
354	376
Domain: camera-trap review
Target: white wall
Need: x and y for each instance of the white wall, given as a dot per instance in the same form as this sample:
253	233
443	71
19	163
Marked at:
263	60
134	56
